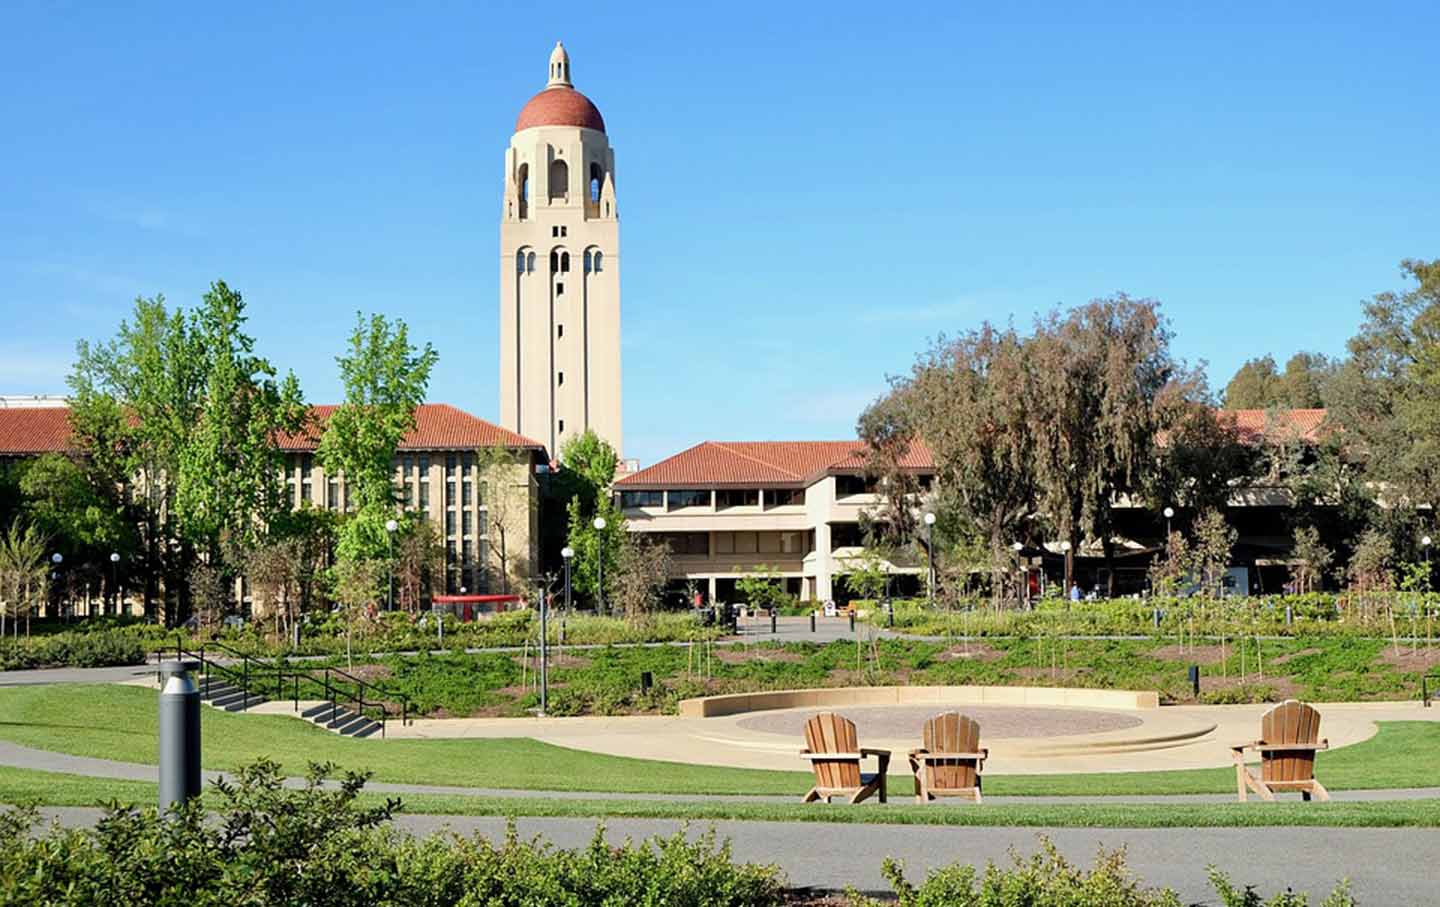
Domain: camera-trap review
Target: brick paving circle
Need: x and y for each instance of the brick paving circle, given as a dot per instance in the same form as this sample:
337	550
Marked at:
907	721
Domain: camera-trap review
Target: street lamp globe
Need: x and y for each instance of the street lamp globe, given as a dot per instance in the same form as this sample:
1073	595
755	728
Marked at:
1425	541
1169	512
567	552
391	525
1018	546
1065	545
56	558
114	558
929	519
599	522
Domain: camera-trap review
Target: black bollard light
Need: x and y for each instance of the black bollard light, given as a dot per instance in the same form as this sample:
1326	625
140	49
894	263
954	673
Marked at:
773	618
1195	680
1289	615
812	621
647	680
852	621
179	734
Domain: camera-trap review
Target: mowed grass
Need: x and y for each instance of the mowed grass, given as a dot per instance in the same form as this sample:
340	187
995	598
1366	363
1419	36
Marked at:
120	723
28	786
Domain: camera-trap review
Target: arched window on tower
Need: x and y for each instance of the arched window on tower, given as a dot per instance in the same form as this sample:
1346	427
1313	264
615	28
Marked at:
524	183
564	262
554	261
559	181
520	262
530	263
587	261
599	261
595	179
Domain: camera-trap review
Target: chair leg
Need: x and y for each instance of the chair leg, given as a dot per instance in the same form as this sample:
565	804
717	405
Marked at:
1240	779
882	784
977	793
811	796
1321	793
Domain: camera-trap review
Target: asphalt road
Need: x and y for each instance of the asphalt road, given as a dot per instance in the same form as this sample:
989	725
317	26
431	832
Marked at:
1385	866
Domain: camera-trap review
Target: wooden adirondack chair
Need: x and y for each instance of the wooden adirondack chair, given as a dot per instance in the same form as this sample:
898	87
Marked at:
1289	739
835	754
950	762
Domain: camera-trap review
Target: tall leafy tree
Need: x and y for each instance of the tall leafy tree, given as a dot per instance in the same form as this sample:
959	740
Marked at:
385	377
1096	382
178	413
1386	399
1256	385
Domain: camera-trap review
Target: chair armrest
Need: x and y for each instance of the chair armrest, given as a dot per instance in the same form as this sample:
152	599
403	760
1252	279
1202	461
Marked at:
868	751
1253	744
1285	747
920	751
934	757
832	757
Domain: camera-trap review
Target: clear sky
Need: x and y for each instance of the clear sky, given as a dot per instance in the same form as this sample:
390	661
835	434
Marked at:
807	194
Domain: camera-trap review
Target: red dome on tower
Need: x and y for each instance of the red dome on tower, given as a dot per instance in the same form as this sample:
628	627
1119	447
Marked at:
560	106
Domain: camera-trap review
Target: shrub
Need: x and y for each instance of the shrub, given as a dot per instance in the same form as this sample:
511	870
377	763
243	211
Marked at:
317	846
88	648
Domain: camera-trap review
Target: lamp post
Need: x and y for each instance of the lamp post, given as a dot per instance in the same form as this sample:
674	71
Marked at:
390	527
1068	549
1425	544
57	559
930	557
115	580
544	652
1023	591
1169	515
566	554
600	565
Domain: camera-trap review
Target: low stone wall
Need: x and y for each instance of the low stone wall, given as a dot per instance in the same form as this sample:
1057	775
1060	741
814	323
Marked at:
734	704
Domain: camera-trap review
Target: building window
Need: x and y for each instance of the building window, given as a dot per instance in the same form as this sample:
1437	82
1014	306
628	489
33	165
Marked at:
559	289
849	485
520	262
465	523
332	493
466	492
688	498
564	262
587	261
784	497
449	522
467	551
564	230
530	263
560	378
738	497
559	181
449	492
559	330
562	426
599	259
450	463
554	232
846	535
693	544
629	499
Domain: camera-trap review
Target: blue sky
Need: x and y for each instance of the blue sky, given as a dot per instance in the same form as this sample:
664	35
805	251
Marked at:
808	194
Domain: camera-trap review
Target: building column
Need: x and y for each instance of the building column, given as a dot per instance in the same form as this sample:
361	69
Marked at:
710	596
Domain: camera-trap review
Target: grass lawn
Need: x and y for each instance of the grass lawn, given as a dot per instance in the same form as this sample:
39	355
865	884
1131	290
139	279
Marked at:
120	722
50	789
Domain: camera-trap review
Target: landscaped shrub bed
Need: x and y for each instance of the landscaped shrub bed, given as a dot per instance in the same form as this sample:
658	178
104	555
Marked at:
607	680
264	845
82	648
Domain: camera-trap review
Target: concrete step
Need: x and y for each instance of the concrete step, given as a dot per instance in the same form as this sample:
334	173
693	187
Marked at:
342	718
372	728
357	723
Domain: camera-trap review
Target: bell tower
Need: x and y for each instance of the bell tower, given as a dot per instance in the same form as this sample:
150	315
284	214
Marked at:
560	270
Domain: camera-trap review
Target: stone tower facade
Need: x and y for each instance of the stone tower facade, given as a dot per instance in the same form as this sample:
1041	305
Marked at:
560	270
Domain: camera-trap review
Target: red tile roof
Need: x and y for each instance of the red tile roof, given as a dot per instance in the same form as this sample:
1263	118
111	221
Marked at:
1255	424
719	464
438	426
29	431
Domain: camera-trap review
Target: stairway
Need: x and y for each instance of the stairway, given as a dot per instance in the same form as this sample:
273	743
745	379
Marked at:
341	720
229	697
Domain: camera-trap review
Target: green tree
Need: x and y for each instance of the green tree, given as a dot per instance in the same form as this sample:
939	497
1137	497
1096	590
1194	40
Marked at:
1386	398
587	475
1305	381
1168	572
965	401
1256	385
642	570
24	573
762	587
179	414
868	576
588	465
385	377
1214	539
1310	560
506	480
358	586
85	522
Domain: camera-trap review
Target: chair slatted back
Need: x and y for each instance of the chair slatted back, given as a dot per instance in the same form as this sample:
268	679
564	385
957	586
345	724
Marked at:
831	733
1290	722
951	733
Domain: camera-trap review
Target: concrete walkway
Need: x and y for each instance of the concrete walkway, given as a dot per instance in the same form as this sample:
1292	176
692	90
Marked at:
1385	866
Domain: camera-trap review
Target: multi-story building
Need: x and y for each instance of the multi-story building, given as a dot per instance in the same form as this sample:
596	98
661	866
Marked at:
728	508
473	501
560	270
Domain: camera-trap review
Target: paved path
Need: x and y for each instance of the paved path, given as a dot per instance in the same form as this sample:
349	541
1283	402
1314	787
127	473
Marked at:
1385	866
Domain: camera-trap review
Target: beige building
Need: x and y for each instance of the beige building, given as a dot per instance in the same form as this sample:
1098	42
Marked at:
485	508
728	508
560	270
